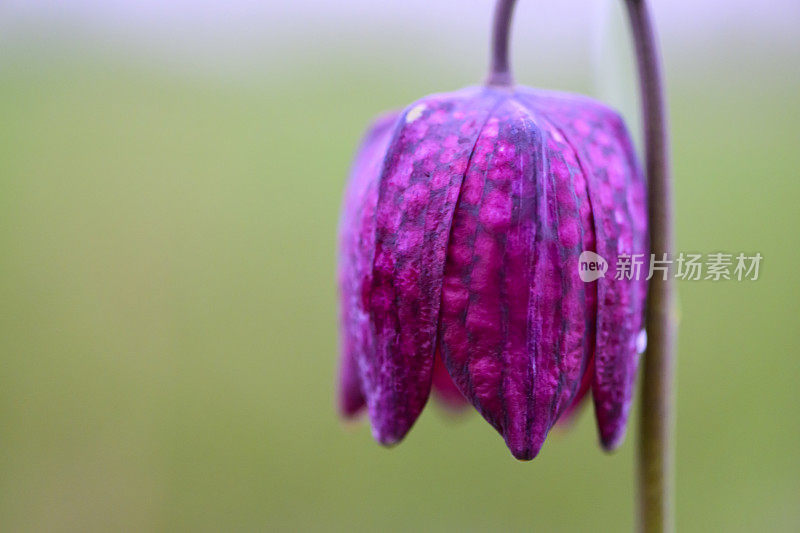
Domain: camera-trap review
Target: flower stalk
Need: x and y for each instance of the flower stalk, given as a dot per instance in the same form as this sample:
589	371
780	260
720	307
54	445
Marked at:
656	421
499	68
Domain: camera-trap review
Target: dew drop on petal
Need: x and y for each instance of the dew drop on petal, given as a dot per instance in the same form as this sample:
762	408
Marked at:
414	113
641	342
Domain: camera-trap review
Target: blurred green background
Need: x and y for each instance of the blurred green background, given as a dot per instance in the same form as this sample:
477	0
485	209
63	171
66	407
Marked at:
168	309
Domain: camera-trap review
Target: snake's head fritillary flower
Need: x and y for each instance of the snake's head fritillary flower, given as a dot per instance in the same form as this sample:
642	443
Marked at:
463	222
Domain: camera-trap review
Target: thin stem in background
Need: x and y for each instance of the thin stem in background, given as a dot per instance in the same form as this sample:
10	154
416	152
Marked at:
656	483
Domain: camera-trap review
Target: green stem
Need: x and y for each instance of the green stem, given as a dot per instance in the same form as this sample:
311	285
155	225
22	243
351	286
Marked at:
657	411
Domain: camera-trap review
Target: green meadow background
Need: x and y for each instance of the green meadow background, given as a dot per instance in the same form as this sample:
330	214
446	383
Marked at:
168	336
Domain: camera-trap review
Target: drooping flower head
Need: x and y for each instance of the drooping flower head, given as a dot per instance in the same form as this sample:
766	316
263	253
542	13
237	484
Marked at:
461	229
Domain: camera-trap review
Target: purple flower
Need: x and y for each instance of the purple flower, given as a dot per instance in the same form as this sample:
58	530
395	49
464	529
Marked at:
460	234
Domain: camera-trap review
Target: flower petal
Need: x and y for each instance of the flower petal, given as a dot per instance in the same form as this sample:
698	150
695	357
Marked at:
576	234
514	312
356	248
617	194
418	189
485	336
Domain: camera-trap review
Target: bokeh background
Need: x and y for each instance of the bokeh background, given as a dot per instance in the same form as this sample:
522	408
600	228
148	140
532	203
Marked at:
170	178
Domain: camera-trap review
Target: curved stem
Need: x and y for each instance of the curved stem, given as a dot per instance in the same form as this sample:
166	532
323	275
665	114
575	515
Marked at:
499	69
656	413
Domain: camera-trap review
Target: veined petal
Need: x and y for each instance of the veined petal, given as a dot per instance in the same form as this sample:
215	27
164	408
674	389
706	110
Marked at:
514	313
576	234
617	194
421	179
356	248
486	340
